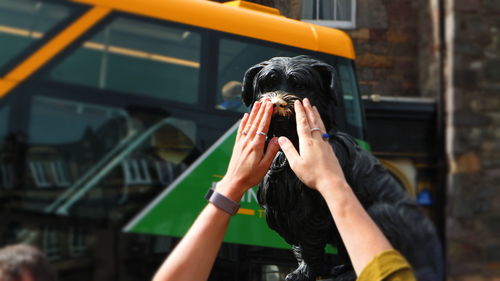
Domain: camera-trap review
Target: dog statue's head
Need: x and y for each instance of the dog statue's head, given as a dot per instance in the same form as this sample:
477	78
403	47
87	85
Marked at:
286	79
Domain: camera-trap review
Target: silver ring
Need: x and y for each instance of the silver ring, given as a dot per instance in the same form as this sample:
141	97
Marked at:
244	133
315	129
261	133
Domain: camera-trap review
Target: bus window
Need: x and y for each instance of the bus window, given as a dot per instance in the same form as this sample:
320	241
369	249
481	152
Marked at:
56	121
351	98
235	57
90	159
4	114
137	57
24	22
6	168
61	133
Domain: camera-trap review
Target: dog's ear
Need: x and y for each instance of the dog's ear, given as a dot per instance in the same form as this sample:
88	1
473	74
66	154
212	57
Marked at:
247	90
329	77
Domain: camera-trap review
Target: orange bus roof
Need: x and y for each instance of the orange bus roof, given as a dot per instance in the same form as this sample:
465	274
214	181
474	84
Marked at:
241	21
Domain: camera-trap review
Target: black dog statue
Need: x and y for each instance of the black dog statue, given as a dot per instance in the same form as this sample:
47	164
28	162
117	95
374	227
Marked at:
300	214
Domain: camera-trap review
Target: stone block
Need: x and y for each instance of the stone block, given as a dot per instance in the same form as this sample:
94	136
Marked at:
468	163
467	5
491	5
381	48
371	14
406	63
469	48
493	253
375	61
399	36
489	104
365	74
472	278
402	14
461	255
492	224
469	118
378	34
466	79
492	70
404	49
363	33
475	30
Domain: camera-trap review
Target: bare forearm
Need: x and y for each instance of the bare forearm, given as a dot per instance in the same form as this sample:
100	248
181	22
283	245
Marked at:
361	236
194	256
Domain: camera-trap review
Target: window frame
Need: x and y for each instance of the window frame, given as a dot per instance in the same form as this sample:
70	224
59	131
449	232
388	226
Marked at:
333	22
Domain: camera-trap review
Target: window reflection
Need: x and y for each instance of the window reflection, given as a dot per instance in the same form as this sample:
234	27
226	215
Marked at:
88	159
4	114
235	57
137	57
23	22
6	167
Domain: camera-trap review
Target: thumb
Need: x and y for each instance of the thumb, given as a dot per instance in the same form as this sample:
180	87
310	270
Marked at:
290	152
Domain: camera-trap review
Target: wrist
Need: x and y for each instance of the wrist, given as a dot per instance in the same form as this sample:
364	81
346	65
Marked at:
329	184
230	189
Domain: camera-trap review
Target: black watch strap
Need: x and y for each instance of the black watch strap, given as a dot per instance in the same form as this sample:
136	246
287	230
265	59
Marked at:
222	202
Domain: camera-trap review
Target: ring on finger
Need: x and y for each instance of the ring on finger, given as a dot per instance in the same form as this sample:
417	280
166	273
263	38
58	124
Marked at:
325	136
244	133
261	133
315	129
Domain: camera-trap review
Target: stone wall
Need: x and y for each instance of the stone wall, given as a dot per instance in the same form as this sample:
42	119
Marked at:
473	131
386	40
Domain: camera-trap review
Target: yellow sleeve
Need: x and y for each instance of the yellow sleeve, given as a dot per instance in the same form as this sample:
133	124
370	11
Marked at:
387	266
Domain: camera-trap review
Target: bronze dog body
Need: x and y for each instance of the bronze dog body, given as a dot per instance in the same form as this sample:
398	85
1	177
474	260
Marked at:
300	214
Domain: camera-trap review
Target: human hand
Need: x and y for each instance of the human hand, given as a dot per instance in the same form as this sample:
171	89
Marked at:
316	165
249	162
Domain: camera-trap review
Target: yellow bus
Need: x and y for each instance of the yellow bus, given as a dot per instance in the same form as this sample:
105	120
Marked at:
104	103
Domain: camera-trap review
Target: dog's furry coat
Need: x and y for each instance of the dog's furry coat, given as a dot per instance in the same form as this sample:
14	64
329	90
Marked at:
300	214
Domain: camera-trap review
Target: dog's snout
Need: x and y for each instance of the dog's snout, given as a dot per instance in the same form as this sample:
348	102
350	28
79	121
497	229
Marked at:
282	102
280	106
279	103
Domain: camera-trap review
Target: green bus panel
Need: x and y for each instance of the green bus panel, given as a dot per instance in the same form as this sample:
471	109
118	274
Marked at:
173	211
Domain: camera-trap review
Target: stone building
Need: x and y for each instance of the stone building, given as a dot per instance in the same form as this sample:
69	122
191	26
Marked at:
471	94
448	50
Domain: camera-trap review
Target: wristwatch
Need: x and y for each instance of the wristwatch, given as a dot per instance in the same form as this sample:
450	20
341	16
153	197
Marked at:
222	202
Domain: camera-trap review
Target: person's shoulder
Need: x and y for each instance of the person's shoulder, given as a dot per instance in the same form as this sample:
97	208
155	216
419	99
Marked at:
387	266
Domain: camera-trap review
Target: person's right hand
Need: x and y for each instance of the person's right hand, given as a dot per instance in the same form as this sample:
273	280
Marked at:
316	165
249	161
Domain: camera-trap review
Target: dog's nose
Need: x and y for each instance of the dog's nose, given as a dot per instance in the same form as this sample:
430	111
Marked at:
279	106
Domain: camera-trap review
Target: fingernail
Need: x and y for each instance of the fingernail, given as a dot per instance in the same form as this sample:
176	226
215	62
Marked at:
306	100
274	140
282	140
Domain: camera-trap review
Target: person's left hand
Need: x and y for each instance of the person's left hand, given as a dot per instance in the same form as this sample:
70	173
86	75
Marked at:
249	162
